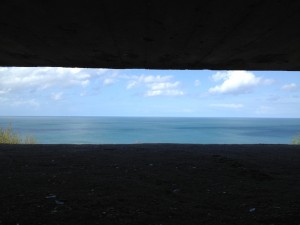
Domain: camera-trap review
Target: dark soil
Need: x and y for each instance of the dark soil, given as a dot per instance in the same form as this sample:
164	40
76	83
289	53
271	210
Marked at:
149	184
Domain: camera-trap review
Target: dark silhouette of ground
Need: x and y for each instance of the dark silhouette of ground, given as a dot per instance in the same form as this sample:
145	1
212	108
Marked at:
149	184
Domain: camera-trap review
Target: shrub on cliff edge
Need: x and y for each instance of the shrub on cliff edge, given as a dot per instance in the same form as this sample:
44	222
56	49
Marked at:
296	140
8	136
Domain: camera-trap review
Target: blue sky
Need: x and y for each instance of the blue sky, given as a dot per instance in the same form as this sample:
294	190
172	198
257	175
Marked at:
45	91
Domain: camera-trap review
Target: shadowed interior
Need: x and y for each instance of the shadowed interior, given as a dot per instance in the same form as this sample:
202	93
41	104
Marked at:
206	34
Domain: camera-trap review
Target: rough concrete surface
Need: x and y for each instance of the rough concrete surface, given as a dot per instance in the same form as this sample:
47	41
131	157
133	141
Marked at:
206	34
168	184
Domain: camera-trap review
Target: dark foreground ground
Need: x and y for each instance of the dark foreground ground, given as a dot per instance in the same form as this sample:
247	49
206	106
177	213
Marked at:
149	184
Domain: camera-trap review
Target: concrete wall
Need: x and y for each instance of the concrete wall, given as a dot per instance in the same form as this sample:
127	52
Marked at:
208	34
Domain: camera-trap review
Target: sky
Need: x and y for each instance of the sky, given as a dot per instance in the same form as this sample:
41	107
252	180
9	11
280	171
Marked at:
56	91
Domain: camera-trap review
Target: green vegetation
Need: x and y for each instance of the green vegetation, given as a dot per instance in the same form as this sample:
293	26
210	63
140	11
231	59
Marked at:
296	140
8	136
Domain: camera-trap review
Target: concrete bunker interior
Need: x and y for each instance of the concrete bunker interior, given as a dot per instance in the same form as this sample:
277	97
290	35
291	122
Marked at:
247	184
245	35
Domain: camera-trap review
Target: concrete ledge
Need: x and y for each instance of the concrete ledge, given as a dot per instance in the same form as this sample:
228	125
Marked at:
149	184
215	34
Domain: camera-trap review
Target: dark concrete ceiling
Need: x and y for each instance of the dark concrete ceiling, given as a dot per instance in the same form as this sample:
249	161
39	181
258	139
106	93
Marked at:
204	34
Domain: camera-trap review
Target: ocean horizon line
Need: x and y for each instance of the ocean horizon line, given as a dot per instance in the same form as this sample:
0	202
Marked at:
212	117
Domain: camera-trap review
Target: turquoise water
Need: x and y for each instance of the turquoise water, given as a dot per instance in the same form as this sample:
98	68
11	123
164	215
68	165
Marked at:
128	130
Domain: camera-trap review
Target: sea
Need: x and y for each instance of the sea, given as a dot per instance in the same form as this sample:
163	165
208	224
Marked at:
132	130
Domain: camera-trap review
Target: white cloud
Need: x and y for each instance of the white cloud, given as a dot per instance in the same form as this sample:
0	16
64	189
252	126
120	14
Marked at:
140	80
4	91
156	85
132	84
164	88
109	78
154	79
197	83
21	86
236	82
219	76
224	105
167	92
57	96
290	87
166	85
17	80
108	81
